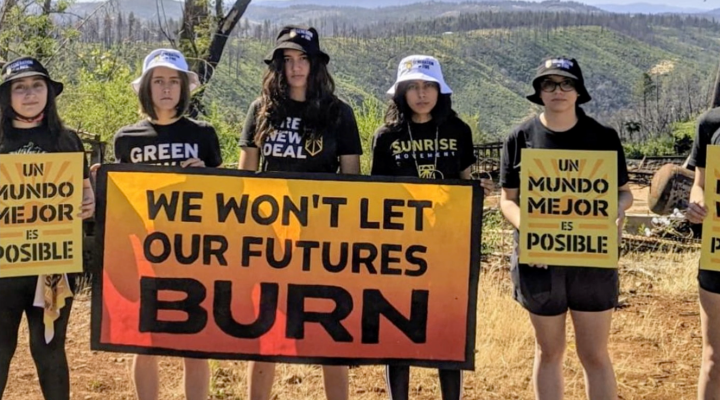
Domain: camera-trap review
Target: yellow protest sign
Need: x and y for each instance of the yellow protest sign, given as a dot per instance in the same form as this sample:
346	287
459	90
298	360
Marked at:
710	259
40	197
568	205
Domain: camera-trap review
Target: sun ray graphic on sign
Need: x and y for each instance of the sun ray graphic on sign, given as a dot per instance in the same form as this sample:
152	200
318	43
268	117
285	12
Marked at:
30	179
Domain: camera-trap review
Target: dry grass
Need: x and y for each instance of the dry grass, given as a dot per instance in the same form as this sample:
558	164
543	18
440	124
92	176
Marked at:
655	346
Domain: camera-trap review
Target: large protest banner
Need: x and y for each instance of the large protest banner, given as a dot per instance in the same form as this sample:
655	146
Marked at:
710	259
568	205
40	197
336	269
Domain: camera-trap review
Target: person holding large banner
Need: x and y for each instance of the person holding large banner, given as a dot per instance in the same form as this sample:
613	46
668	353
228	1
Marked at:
166	137
299	125
423	137
707	138
547	292
30	124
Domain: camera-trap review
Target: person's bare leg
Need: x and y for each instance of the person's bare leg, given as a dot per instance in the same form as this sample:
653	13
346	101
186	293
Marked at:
549	355
260	380
197	379
592	331
145	377
336	382
709	381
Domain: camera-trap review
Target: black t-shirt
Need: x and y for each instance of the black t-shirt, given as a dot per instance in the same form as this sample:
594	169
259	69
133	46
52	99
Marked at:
587	134
147	143
289	150
708	133
38	140
441	152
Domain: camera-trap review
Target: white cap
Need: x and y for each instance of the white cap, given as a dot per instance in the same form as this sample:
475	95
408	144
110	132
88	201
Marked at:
424	68
169	58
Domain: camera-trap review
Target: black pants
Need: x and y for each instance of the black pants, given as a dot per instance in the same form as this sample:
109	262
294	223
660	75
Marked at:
398	381
16	298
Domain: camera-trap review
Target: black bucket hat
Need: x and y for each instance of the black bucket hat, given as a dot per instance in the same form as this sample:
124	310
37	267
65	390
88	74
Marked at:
25	67
561	66
298	37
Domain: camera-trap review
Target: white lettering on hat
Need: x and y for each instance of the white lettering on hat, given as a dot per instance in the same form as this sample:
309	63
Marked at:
165	56
303	33
19	66
416	65
561	63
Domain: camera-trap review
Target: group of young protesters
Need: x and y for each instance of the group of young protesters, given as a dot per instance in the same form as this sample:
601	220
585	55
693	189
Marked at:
298	96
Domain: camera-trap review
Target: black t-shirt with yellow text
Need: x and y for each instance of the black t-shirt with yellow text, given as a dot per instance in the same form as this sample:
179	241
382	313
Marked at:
290	148
424	150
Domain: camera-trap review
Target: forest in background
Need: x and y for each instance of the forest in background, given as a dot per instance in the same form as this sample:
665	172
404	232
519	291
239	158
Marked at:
650	76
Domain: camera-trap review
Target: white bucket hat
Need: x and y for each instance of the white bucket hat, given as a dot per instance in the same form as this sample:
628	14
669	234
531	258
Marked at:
169	58
418	67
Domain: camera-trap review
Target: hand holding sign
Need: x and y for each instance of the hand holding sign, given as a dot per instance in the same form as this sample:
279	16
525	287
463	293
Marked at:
620	221
193	163
696	212
542	266
87	209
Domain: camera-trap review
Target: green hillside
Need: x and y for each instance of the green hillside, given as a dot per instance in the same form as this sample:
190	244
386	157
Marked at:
490	71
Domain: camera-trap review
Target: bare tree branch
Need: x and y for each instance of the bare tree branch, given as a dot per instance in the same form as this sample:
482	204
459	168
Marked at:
78	26
163	22
4	12
206	64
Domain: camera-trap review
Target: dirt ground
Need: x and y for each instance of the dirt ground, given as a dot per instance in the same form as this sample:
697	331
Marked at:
655	347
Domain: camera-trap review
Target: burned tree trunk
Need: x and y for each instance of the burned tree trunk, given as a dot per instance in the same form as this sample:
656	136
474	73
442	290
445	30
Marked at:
671	185
205	59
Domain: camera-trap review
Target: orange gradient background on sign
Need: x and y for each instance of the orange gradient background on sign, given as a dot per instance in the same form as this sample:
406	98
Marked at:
446	234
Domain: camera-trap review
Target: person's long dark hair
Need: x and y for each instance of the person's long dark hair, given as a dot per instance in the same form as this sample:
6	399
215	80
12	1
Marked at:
323	107
51	121
399	113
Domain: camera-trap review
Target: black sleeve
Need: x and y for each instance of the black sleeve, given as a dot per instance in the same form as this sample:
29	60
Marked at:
707	125
510	160
466	147
247	136
76	145
213	156
348	134
622	170
118	148
382	160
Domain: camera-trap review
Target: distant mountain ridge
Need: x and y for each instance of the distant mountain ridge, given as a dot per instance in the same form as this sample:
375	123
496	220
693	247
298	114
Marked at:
303	10
647	8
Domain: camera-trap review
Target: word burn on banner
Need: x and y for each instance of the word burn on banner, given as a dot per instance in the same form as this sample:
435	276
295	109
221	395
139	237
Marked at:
334	269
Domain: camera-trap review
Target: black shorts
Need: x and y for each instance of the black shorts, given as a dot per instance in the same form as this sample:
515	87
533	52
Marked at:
709	280
552	291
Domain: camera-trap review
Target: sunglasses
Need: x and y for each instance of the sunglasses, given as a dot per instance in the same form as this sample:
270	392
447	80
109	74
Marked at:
550	86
